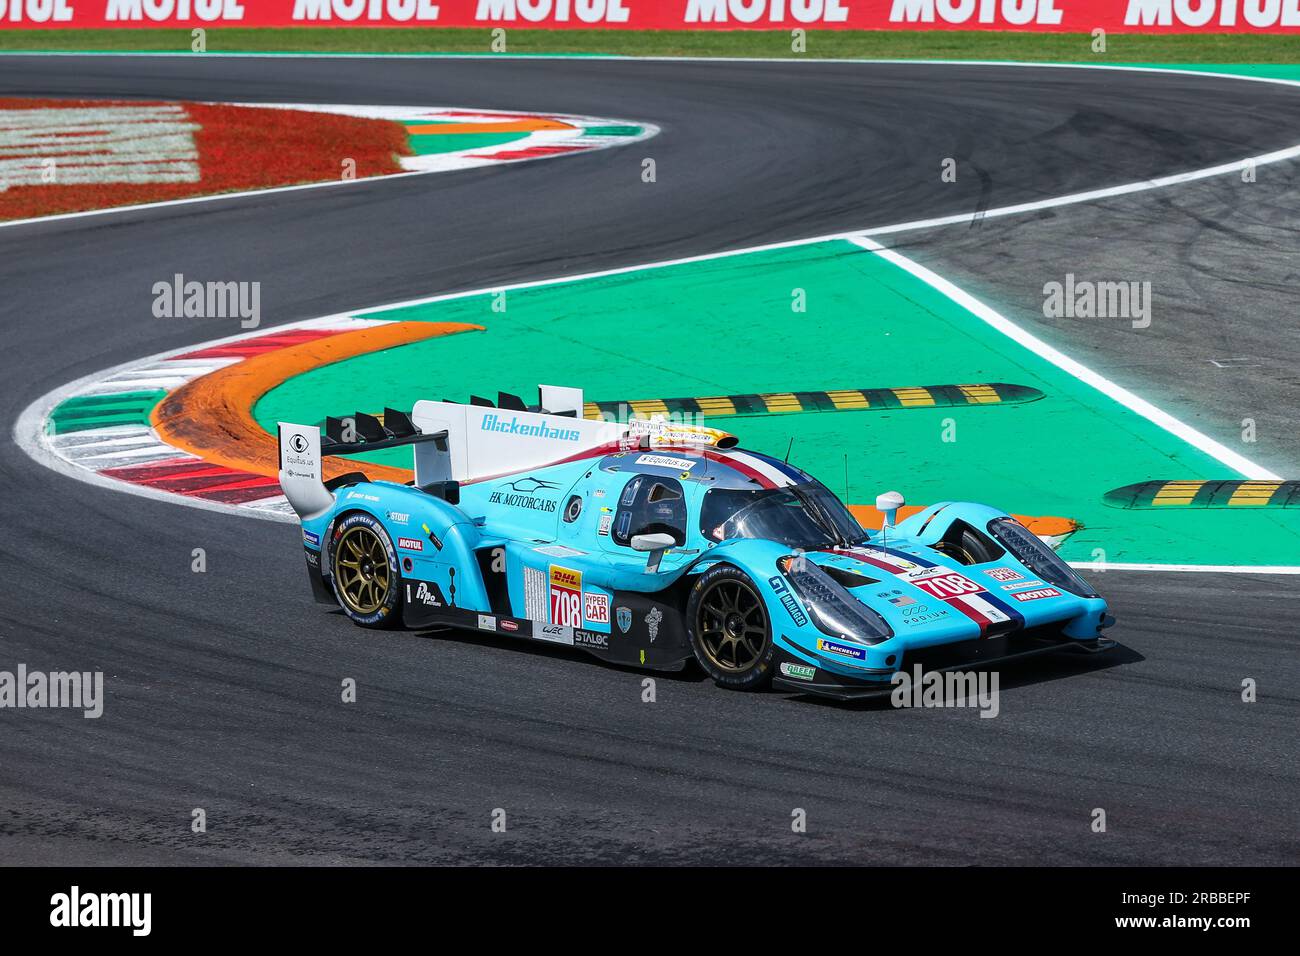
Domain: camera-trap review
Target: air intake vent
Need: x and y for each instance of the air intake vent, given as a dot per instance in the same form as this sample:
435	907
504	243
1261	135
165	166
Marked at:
848	579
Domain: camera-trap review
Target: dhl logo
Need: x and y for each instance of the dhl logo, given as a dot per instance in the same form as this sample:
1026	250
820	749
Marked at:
566	578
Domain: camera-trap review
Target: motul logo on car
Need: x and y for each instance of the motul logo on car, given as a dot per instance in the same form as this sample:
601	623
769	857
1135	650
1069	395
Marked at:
1036	594
774	11
562	11
1012	12
1199	13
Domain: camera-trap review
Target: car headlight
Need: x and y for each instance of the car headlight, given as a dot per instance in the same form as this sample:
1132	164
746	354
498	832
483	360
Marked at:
834	610
1038	557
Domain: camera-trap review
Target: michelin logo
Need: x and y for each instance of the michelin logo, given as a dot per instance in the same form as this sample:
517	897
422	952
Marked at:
833	647
513	426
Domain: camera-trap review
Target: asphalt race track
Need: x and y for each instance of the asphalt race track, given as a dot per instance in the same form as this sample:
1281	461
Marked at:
223	688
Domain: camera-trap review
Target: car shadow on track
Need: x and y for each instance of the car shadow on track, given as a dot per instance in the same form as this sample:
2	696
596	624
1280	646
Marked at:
1011	675
689	674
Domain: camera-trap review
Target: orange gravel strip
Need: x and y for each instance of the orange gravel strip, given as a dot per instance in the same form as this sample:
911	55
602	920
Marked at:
212	416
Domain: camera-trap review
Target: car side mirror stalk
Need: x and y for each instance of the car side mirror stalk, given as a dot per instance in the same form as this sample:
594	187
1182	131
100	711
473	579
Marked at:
656	544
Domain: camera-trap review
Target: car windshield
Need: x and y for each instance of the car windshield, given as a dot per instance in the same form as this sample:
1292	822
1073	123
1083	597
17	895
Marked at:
801	516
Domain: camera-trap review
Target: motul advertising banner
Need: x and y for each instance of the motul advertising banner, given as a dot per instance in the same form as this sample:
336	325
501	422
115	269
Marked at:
1075	16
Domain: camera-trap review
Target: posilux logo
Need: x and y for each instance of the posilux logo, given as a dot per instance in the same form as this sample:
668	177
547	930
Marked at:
513	426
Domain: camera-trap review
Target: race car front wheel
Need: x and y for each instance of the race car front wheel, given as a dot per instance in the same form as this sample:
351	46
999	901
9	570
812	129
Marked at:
729	629
363	568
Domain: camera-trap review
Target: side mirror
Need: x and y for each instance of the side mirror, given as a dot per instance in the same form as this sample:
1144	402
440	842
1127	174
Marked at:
656	544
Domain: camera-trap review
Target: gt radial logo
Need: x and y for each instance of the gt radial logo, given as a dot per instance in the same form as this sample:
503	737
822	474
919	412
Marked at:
566	597
97	145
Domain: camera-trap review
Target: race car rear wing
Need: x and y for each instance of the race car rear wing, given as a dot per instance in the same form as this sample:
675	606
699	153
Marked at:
487	439
301	448
457	442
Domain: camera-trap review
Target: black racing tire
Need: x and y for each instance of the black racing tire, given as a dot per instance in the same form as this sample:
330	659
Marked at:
965	546
364	571
729	629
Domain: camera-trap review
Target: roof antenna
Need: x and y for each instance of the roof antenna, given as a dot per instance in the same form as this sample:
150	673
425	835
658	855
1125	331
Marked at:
846	477
788	449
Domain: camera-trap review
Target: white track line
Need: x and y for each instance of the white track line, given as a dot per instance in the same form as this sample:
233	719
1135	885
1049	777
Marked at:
1091	195
1118	393
1101	568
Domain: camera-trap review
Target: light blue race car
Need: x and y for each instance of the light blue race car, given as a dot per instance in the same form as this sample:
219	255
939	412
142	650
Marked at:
653	545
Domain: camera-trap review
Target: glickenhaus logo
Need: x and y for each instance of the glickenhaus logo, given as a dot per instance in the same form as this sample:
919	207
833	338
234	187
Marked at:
513	426
180	299
923	688
75	690
76	909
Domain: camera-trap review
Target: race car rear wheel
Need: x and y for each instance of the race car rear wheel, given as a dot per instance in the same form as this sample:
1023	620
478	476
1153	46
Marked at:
363	569
729	630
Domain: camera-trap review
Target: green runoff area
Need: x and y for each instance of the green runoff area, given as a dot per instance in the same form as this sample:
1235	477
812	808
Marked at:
726	326
1186	49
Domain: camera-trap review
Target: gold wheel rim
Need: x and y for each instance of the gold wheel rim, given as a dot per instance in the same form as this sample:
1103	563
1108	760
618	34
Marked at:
361	572
732	626
957	551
